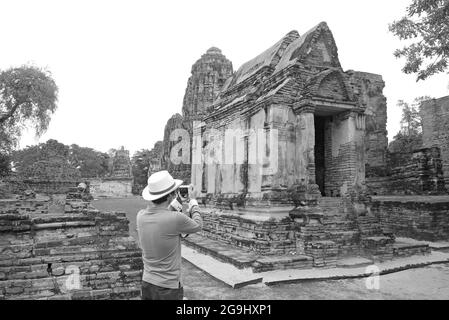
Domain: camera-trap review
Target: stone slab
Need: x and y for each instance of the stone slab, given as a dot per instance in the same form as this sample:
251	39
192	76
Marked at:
221	251
237	278
414	198
437	245
285	259
292	276
354	262
223	272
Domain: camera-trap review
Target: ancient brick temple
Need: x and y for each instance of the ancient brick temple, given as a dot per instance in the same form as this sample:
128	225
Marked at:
209	74
289	153
291	116
119	182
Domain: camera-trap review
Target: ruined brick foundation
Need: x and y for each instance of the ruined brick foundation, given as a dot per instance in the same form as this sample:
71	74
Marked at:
40	252
318	237
421	219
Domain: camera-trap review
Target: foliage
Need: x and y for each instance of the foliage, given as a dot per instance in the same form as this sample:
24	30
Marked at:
404	144
54	160
409	138
144	162
140	164
89	162
5	165
427	24
28	97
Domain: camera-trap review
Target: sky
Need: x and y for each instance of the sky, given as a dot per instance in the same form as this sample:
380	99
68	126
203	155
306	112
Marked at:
122	66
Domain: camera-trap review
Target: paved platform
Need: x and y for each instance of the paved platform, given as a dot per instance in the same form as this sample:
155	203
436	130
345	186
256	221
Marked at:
414	198
238	257
347	269
224	272
437	245
237	267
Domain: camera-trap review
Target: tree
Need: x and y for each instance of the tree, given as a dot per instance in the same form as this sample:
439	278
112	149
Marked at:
26	157
89	162
427	23
45	161
143	163
28	96
409	138
140	164
5	165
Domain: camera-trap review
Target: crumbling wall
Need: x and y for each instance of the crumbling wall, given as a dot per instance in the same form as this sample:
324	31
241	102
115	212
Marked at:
419	172
111	187
368	88
421	220
435	120
262	235
43	255
342	154
17	185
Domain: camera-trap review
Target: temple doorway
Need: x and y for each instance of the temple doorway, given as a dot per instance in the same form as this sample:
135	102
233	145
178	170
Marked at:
320	163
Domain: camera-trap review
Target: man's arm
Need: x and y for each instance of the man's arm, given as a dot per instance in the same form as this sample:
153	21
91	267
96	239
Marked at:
137	229
188	225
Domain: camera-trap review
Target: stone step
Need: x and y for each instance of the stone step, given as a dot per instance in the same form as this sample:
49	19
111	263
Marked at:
401	249
282	263
221	251
437	245
39	270
354	262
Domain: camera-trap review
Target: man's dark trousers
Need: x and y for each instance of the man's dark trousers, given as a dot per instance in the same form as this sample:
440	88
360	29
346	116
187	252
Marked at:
153	292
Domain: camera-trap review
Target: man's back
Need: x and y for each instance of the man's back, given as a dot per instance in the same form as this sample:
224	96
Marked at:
159	236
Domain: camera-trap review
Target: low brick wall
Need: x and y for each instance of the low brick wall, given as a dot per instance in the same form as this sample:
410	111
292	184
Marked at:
94	245
111	187
326	241
262	235
17	186
418	172
19	207
415	219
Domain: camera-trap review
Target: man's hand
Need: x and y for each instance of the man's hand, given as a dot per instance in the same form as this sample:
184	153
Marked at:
193	194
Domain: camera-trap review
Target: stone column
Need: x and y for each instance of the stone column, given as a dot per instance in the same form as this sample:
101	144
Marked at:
196	164
305	143
305	152
267	142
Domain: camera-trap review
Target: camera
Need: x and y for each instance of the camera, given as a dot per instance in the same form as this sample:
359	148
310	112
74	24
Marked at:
184	193
182	198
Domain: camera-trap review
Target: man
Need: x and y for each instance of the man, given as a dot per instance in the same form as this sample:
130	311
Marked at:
159	228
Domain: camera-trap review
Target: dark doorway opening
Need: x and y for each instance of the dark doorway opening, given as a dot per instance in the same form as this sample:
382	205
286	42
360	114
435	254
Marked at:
320	163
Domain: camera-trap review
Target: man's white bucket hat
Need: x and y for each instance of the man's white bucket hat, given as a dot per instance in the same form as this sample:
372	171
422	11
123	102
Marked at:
160	184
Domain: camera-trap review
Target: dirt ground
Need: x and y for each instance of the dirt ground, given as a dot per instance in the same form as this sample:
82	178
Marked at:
424	283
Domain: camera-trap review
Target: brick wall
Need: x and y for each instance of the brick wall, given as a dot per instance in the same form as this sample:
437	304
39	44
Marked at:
340	170
263	235
368	88
95	245
419	172
435	118
17	186
419	220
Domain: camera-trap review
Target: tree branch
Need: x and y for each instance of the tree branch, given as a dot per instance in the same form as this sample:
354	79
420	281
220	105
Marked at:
11	112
